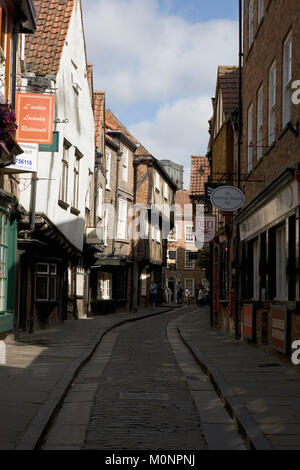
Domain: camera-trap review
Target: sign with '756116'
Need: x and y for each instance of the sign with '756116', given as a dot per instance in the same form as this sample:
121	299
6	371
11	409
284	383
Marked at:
34	118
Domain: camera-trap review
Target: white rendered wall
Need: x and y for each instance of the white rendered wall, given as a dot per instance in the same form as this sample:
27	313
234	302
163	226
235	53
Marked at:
79	132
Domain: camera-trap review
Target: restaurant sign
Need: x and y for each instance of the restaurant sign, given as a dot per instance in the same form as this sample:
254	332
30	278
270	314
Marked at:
279	319
227	198
34	118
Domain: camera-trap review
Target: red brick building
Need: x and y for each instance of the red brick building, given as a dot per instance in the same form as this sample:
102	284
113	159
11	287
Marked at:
182	267
269	221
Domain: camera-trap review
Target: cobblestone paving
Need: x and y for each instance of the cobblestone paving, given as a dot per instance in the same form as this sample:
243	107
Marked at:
142	401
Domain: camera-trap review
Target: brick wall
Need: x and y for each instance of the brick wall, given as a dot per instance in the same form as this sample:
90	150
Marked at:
280	17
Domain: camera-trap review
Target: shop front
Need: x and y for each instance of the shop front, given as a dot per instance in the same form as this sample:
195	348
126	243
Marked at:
269	233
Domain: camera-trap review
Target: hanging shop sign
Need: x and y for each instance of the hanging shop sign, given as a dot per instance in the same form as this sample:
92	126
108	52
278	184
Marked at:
227	198
26	161
279	319
248	321
206	228
54	147
34	118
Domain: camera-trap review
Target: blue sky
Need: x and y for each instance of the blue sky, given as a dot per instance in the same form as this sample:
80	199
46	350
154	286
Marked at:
157	61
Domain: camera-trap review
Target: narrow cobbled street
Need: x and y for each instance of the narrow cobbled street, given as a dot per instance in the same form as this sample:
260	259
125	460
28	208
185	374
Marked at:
137	393
143	401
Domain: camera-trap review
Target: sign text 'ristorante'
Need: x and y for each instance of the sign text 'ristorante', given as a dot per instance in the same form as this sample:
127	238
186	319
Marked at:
34	118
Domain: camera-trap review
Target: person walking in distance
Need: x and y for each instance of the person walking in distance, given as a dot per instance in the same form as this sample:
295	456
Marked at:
187	296
201	295
179	292
153	294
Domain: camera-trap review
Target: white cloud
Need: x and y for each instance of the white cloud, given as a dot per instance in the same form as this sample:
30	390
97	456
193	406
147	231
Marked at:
145	57
178	131
142	54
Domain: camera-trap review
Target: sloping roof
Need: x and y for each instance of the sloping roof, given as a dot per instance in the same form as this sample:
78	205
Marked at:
98	107
198	180
228	77
44	47
113	123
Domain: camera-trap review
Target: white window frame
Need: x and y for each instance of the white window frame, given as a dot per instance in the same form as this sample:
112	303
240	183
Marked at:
100	203
157	181
166	191
64	182
76	181
261	11
189	235
188	261
251	22
125	159
108	168
169	255
272	103
287	80
260	121
250	138
281	263
174	233
105	285
122	219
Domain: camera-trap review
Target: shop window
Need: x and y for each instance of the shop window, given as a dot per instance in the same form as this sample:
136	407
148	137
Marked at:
120	284
291	268
104	286
256	270
280	263
263	266
46	278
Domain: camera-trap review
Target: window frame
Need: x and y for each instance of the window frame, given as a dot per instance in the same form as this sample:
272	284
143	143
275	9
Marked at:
260	122
250	23
250	139
192	268
287	80
48	275
122	222
272	104
125	164
192	290
64	183
186	234
108	169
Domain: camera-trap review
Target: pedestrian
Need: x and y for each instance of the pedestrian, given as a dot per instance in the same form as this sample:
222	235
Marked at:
153	294
201	296
179	292
187	296
206	296
197	293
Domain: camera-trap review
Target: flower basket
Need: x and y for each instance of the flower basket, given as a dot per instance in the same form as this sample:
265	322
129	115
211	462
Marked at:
8	124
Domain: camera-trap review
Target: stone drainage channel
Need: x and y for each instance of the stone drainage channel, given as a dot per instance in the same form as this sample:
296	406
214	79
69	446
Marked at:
219	429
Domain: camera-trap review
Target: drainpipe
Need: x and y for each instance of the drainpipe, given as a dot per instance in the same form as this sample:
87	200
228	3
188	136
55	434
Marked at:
237	256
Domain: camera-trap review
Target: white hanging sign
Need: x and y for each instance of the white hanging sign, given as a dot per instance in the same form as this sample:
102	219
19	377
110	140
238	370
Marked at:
227	198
